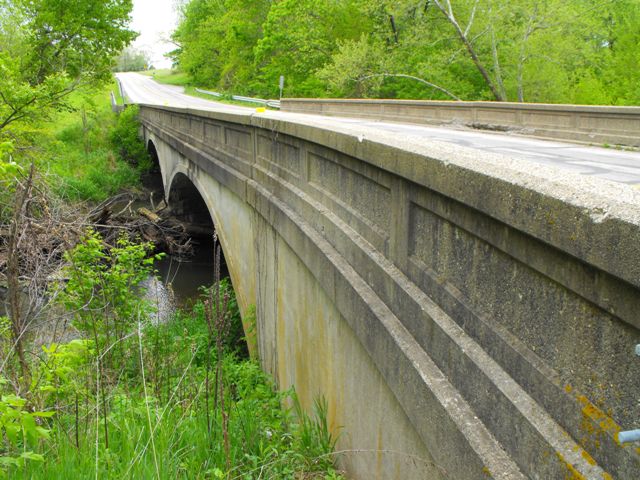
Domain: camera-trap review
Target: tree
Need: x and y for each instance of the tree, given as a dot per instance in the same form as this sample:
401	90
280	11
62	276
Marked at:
622	72
216	39
132	60
300	37
550	51
49	48
463	32
408	53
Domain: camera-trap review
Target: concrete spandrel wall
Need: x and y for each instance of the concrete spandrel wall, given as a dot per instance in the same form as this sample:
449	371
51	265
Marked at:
305	343
485	301
318	353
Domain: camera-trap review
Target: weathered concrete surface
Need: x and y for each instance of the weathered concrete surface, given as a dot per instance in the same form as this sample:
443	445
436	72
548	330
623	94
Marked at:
305	343
449	304
577	123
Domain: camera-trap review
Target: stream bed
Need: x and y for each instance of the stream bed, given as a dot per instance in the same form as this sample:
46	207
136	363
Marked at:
179	282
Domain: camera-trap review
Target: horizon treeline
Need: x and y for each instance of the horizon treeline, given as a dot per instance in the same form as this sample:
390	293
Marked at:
551	51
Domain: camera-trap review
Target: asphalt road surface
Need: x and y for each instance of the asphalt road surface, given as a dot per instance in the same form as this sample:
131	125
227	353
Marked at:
608	163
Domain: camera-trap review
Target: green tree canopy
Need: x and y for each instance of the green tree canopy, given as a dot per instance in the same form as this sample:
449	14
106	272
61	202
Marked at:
555	51
48	48
132	60
217	39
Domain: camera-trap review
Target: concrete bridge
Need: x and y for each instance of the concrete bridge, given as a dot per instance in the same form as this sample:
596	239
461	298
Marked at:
465	315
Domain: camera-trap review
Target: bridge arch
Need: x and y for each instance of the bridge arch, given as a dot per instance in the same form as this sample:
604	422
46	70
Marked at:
153	154
399	283
188	203
189	197
288	314
228	214
162	157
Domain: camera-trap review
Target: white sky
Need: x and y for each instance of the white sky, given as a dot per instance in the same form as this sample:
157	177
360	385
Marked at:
154	20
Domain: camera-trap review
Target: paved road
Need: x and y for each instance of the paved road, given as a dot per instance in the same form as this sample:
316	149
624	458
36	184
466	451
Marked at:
610	164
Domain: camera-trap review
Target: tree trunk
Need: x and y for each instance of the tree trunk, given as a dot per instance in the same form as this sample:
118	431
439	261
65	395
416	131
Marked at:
13	274
448	13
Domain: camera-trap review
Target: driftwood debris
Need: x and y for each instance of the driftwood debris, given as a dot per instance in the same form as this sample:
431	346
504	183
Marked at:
37	228
46	231
145	212
117	216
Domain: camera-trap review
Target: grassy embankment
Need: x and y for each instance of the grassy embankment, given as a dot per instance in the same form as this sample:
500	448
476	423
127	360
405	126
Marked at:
77	152
130	397
183	79
165	416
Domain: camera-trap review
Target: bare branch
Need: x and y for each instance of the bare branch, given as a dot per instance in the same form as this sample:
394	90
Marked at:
471	18
402	75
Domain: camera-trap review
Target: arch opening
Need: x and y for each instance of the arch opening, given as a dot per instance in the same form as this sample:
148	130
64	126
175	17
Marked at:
152	178
188	206
153	154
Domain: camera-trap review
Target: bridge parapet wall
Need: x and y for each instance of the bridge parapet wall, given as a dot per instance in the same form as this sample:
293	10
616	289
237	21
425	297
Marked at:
575	123
499	306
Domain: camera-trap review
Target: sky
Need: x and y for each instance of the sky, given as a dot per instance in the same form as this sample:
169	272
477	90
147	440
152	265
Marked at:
154	20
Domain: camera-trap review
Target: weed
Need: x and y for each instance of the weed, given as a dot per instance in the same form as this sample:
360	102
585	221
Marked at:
124	138
140	399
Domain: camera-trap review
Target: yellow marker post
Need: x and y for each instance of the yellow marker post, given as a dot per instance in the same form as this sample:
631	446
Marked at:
261	110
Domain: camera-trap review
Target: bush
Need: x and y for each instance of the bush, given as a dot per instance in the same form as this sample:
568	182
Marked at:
126	141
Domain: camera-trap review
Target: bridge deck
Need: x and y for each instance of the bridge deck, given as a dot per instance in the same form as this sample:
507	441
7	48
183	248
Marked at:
606	163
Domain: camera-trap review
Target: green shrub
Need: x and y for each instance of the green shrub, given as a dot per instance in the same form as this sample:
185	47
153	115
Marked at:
125	139
21	433
136	399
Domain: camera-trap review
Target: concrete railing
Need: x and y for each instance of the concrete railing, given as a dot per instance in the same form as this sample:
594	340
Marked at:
574	123
451	305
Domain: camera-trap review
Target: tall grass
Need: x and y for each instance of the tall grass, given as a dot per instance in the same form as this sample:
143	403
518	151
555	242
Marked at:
75	149
161	422
164	434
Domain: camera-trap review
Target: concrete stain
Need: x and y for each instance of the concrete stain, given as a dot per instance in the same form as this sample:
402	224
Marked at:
379	447
572	473
588	457
600	423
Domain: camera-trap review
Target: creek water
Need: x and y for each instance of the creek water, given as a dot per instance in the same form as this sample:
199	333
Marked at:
179	281
187	276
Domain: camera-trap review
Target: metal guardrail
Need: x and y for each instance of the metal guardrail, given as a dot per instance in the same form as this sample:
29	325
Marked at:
207	92
261	101
273	103
240	98
121	91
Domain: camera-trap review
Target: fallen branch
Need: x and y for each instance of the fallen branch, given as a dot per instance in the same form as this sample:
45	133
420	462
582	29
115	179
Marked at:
145	212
